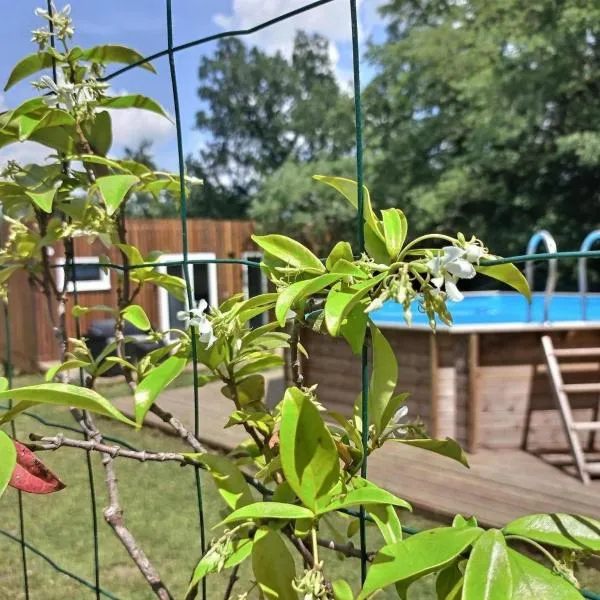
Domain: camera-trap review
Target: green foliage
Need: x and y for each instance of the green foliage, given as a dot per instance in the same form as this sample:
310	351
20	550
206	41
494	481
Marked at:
8	460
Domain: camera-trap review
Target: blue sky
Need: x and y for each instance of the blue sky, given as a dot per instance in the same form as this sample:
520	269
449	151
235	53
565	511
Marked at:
141	24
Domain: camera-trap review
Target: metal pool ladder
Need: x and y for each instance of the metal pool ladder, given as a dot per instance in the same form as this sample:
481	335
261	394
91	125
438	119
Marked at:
588	242
536	239
561	392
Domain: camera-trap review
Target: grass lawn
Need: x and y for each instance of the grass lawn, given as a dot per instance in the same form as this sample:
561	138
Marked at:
160	508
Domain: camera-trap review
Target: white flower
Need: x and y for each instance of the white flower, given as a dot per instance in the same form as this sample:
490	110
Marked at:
196	318
473	252
448	267
394	427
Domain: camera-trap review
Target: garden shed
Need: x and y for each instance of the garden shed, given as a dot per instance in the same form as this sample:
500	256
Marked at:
31	333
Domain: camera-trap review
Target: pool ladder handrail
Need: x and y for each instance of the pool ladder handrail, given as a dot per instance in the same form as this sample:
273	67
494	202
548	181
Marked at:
587	243
545	237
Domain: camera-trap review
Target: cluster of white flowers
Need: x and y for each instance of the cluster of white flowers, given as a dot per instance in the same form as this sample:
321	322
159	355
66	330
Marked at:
196	318
62	25
452	264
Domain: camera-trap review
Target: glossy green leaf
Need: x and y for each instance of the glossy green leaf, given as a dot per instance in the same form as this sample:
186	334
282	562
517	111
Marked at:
99	133
417	556
488	576
308	453
114	53
62	394
274	568
154	383
508	274
354	328
368	493
340	302
342	250
460	521
269	510
533	581
558	529
299	291
134	101
43	200
51	118
228	478
114	188
384	377
257	365
136	315
342	590
250	390
173	284
8	460
387	521
448	584
447	447
395	228
209	563
348	269
289	251
27	66
66	366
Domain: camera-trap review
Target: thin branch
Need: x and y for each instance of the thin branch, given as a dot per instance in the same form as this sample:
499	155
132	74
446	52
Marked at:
113	514
347	549
295	361
299	545
233	578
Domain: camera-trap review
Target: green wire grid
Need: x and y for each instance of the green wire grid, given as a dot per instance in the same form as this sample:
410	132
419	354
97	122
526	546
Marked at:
170	52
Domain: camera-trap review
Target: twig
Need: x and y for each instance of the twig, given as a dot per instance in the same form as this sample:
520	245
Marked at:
347	549
178	426
113	514
299	545
233	578
295	361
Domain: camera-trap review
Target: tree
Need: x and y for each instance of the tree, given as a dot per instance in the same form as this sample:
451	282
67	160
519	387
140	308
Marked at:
261	110
484	116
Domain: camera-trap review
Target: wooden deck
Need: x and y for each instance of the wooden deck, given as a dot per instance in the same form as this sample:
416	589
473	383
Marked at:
501	485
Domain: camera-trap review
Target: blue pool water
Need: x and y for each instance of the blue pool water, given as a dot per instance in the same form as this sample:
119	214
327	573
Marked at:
500	308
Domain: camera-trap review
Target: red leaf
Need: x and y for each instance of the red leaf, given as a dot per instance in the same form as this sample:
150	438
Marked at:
32	475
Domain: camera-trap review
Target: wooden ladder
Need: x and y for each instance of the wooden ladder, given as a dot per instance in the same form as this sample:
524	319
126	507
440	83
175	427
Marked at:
561	391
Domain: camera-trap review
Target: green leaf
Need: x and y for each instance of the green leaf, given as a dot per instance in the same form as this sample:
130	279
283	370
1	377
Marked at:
289	251
69	364
43	200
353	329
395	228
508	274
374	239
114	188
99	133
228	478
274	568
136	315
340	302
209	563
8	460
448	585
308	453
248	391
558	529
368	493
447	447
342	591
173	284
383	378
51	118
269	510
257	365
387	521
487	576
154	383
62	394
460	521
299	291
28	66
417	556
342	250
532	581
114	53
134	101
348	269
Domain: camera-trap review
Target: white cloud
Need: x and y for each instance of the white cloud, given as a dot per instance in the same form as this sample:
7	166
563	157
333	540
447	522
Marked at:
330	20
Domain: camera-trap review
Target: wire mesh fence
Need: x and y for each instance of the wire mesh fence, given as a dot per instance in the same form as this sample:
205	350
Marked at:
95	584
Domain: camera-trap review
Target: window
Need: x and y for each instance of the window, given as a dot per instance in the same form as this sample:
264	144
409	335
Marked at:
203	278
89	275
254	284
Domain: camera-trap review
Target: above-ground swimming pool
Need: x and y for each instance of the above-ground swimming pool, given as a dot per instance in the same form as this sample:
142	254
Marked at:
499	308
482	381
